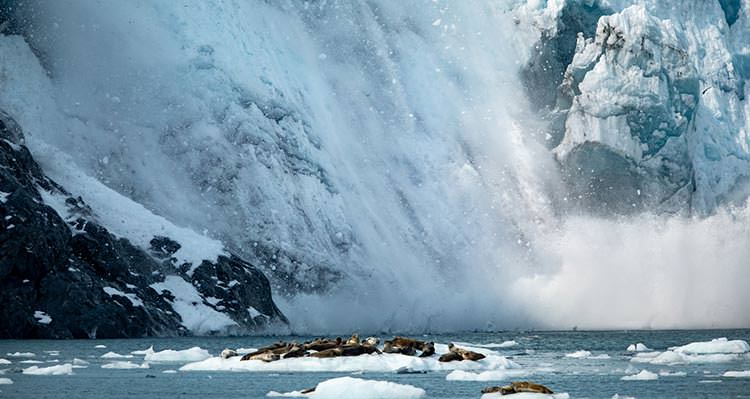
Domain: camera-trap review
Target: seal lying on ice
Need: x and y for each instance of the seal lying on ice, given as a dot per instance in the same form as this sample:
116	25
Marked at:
519	387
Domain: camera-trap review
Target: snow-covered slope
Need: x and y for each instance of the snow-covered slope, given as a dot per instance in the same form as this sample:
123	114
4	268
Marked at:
382	160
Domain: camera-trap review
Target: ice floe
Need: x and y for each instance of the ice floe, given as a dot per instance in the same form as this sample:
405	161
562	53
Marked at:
489	375
639	347
5	361
31	362
125	365
101	347
194	354
115	355
737	374
169	371
350	387
644	375
387	362
6	381
79	363
718	345
62	369
718	350
20	354
581	354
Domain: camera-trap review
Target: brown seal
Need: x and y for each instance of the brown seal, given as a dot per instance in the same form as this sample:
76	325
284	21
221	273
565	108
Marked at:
519	387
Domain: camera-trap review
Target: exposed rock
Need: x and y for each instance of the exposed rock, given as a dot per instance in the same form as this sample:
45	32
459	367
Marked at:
86	281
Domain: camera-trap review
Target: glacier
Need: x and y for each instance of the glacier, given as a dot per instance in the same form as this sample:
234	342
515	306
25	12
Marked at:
421	166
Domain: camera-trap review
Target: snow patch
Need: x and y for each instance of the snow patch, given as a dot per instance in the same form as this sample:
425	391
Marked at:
42	318
196	316
132	297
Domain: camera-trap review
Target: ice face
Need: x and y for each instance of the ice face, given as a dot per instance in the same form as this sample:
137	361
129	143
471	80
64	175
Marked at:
397	171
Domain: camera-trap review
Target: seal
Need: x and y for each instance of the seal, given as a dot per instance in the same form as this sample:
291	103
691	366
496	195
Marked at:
227	353
519	387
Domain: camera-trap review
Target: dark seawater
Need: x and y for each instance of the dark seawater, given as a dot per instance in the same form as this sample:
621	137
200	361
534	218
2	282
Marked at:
541	351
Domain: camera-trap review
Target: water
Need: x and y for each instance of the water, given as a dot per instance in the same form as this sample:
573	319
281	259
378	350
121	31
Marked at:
542	352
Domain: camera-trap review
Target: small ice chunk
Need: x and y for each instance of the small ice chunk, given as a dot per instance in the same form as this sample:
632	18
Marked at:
125	365
169	371
31	362
5	361
639	347
62	369
101	347
6	381
115	355
52	353
79	363
42	318
644	375
194	354
581	354
350	387
737	374
21	354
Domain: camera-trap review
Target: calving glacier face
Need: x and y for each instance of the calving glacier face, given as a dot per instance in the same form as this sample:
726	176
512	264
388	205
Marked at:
402	166
658	90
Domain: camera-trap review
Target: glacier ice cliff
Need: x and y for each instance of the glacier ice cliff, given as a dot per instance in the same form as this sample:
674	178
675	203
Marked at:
462	162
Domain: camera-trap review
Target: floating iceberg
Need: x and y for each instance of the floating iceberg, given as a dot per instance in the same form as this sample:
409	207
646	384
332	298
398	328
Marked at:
194	354
62	369
639	347
737	374
349	387
125	365
644	375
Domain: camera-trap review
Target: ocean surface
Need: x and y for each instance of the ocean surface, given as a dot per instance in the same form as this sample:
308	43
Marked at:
541	355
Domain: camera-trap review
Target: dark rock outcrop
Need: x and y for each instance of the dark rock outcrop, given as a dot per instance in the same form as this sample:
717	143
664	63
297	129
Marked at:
74	279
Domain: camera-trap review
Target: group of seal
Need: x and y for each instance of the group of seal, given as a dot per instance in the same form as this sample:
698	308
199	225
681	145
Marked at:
327	348
519	387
